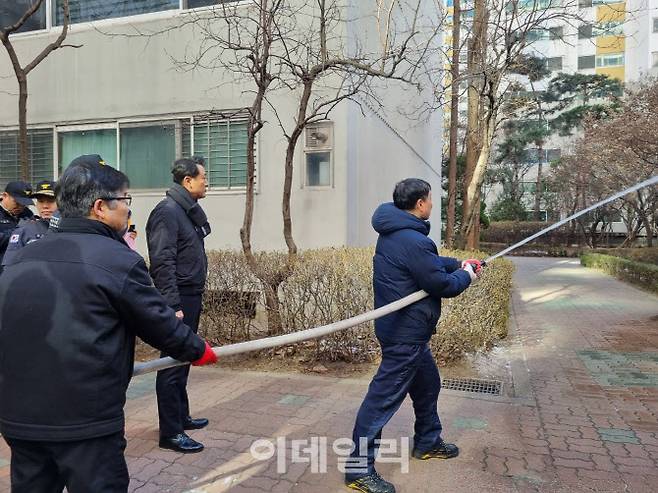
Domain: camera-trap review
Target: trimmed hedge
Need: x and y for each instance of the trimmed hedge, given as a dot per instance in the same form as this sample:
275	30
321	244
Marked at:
644	254
336	283
510	232
478	317
533	249
638	273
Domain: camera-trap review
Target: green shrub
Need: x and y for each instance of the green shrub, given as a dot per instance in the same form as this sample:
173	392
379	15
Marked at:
508	210
638	273
510	232
644	254
333	284
533	249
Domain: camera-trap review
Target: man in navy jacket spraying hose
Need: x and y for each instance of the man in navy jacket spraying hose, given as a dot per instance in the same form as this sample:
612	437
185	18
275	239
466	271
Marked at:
406	260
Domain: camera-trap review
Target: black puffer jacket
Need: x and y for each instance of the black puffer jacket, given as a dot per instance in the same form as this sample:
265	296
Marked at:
177	255
71	305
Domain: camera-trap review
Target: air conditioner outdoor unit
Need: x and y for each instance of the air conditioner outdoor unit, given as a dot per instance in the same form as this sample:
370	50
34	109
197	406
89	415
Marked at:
318	136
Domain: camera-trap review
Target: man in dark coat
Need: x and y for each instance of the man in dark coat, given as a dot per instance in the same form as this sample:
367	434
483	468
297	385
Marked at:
406	260
33	229
175	233
14	204
71	305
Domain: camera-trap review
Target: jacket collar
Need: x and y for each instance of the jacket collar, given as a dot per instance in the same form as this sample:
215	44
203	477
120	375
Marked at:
182	197
86	226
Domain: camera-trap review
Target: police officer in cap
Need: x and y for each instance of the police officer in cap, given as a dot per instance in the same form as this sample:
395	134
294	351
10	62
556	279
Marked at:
30	230
13	207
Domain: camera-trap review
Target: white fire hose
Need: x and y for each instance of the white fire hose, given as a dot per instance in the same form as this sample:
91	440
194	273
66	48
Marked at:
305	335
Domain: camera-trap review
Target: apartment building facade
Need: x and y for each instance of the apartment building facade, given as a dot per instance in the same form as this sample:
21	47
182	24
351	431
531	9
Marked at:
617	39
121	96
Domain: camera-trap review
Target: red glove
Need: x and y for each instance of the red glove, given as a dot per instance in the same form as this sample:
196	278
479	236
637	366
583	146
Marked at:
477	265
209	357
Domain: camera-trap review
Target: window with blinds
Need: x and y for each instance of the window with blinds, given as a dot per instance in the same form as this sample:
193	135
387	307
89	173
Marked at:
11	11
144	150
223	144
40	156
148	149
94	10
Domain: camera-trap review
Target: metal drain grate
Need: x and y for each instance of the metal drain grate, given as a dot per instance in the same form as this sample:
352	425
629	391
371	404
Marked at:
491	387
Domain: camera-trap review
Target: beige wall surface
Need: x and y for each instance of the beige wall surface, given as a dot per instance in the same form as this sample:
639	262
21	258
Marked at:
118	75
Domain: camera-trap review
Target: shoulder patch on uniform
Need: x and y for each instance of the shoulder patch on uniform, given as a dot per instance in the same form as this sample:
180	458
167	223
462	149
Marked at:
14	238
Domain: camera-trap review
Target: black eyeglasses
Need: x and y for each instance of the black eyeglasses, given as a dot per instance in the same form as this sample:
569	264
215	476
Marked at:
127	198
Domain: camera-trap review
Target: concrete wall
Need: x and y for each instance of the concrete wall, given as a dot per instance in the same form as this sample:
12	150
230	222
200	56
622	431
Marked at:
124	76
396	140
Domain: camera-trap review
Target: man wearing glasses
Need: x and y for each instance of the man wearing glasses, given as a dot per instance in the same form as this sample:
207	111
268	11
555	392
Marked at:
175	233
71	305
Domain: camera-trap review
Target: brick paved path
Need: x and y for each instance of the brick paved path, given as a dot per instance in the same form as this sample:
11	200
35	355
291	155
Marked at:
584	417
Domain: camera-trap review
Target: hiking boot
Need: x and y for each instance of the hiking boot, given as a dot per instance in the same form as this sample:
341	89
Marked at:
372	483
441	450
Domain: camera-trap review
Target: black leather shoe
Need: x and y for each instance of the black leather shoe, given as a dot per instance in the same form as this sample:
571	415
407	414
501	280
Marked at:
372	483
441	450
181	443
195	424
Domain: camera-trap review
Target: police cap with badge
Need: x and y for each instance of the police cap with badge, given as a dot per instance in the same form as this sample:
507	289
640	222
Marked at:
20	192
45	188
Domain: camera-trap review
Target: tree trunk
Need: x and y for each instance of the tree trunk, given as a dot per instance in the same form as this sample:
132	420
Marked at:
289	166
23	152
454	125
476	134
245	232
644	218
593	234
21	73
471	216
538	191
262	79
274	321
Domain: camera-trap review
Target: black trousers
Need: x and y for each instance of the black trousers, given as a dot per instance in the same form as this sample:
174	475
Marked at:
171	384
95	464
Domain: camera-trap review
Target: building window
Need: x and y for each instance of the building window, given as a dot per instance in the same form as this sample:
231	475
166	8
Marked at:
148	149
40	156
654	59
537	35
655	24
555	32
318	146
585	31
610	60
528	186
73	143
11	11
223	143
547	155
538	4
612	28
553	155
530	215
192	4
585	62
554	63
94	10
